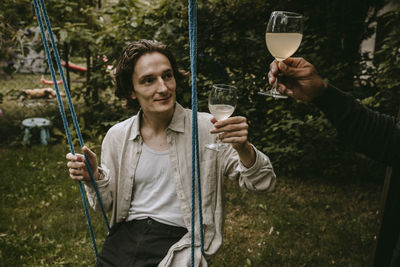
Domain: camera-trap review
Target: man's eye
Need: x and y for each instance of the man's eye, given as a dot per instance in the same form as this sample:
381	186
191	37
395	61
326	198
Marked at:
168	76
148	80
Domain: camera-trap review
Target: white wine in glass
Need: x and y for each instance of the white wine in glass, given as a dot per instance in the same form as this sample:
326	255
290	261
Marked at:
282	45
283	37
221	103
221	111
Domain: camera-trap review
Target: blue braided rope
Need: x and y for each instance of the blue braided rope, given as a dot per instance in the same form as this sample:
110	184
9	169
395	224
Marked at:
64	119
72	110
195	141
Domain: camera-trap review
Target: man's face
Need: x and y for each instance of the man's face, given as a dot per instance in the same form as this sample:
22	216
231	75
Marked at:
154	84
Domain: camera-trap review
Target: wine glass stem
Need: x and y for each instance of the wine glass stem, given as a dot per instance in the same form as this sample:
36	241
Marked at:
218	143
275	86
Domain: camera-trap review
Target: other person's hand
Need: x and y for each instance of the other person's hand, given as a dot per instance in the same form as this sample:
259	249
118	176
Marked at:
296	78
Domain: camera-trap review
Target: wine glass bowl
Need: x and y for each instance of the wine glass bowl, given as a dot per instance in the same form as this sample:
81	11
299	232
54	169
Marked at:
283	37
221	103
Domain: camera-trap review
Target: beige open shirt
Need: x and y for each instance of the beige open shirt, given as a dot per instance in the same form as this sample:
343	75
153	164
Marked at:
120	154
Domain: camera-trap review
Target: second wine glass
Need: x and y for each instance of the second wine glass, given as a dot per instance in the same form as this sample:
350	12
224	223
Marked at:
283	37
221	103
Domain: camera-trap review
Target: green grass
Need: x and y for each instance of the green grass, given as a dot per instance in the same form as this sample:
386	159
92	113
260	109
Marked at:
42	220
305	222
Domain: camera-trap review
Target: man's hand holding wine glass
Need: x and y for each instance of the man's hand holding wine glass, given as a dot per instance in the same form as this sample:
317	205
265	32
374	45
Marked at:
297	78
230	130
234	130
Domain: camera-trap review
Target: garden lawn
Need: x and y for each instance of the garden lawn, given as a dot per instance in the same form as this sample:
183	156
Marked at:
305	222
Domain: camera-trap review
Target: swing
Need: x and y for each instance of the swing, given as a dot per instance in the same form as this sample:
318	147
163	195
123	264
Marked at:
192	10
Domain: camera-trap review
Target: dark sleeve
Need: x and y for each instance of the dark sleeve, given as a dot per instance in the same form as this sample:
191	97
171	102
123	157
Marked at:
367	131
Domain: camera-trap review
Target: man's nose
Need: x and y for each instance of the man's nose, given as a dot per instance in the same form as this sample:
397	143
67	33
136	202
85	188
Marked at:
162	86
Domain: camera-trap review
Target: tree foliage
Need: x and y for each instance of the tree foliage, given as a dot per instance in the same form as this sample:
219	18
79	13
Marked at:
386	97
12	18
231	49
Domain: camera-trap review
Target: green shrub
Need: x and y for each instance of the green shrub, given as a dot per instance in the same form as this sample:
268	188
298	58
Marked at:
231	49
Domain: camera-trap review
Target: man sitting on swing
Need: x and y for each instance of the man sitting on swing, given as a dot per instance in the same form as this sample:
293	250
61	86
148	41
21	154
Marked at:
145	172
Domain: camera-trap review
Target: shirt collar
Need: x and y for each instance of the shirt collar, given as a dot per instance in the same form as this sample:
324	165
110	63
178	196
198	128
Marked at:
177	123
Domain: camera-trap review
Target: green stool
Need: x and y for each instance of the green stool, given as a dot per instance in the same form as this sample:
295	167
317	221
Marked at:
42	124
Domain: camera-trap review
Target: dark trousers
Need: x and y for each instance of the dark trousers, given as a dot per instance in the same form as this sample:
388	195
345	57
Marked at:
138	243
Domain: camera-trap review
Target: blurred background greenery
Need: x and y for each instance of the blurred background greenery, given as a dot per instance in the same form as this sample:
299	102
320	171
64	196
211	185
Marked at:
354	44
231	48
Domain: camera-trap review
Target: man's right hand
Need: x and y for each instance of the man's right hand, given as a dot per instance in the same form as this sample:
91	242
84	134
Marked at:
297	78
77	165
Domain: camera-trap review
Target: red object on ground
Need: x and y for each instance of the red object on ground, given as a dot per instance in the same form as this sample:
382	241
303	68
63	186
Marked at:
73	66
44	81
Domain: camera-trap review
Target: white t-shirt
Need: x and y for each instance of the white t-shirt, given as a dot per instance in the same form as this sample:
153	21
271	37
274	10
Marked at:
154	189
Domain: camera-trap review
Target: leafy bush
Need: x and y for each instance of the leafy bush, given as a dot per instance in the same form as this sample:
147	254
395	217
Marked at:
387	59
298	137
231	49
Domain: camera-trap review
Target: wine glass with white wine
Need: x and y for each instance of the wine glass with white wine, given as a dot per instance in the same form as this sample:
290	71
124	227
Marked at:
221	103
283	37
